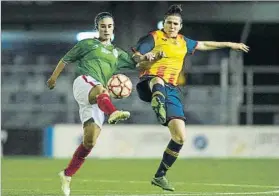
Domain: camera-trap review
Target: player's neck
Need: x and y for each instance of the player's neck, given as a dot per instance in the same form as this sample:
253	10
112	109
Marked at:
105	41
168	36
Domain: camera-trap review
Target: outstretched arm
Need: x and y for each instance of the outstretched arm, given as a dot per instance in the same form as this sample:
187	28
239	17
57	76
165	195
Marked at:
148	57
211	45
142	52
52	80
74	54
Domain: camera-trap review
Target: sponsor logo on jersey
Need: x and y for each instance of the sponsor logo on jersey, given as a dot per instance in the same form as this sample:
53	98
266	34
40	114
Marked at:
115	53
94	47
105	51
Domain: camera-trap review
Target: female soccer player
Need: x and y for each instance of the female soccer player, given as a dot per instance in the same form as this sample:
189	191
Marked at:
96	61
165	50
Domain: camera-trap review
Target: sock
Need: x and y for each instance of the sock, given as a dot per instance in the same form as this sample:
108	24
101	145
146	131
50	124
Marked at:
169	157
105	104
77	160
159	91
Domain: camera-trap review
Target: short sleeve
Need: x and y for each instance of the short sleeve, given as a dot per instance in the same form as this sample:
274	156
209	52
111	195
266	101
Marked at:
145	44
76	53
191	45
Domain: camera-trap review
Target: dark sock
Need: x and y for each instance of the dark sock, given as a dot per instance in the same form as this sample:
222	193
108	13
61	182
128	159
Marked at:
169	157
77	160
159	91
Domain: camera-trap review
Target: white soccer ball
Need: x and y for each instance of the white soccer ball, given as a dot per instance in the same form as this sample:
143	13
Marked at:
119	86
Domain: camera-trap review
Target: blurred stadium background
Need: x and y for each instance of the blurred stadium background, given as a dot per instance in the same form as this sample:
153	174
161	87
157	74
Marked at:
225	90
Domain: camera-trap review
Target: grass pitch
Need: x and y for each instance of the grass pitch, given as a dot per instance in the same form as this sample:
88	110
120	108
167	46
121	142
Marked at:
205	177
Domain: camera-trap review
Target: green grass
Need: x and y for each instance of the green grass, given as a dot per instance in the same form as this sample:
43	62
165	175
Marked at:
38	176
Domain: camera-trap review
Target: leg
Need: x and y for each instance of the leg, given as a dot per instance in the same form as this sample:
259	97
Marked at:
85	90
158	90
176	125
177	130
92	118
98	94
91	133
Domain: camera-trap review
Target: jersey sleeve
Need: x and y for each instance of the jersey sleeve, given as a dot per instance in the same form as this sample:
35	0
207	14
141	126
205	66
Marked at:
125	60
145	44
76	53
191	45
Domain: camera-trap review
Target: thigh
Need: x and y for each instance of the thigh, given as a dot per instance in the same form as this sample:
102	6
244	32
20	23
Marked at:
174	106
177	130
82	87
87	111
143	90
98	115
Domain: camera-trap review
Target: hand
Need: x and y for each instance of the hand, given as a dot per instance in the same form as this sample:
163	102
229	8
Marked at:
239	46
150	56
51	82
160	55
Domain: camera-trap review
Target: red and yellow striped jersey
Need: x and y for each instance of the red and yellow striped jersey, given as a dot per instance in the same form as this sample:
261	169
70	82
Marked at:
175	49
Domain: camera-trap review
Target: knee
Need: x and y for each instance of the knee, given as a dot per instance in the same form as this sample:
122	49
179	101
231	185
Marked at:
91	133
100	90
179	138
89	143
95	92
177	129
156	80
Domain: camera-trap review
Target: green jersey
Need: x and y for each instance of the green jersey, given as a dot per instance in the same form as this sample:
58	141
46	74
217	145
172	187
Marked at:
98	60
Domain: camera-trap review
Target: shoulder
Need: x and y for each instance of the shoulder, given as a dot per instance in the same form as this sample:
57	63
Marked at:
187	39
120	51
191	44
88	41
157	33
180	36
149	36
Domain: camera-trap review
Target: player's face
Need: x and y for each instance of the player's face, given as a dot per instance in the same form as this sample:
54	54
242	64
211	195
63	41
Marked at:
172	25
105	27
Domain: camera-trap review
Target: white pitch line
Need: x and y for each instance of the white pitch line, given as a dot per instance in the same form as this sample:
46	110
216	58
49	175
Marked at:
236	185
204	194
190	183
146	182
170	194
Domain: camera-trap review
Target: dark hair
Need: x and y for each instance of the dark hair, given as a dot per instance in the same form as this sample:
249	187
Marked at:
101	16
174	10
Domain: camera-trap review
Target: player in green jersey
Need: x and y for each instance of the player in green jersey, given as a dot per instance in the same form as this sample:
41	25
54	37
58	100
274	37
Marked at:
96	61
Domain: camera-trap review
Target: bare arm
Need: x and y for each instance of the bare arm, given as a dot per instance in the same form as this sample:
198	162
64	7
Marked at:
138	58
146	59
77	52
59	68
52	80
211	45
142	52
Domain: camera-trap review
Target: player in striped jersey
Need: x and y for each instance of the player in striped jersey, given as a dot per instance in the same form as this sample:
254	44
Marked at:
165	51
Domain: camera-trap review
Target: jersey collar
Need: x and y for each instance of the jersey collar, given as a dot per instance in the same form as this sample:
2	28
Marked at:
108	44
166	35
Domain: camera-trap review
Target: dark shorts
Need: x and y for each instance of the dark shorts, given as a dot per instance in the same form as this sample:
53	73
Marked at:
174	107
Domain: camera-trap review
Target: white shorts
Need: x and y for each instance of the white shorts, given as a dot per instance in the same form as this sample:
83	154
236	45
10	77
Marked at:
81	88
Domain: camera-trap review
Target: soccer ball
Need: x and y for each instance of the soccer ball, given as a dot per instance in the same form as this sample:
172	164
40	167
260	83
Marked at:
119	86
